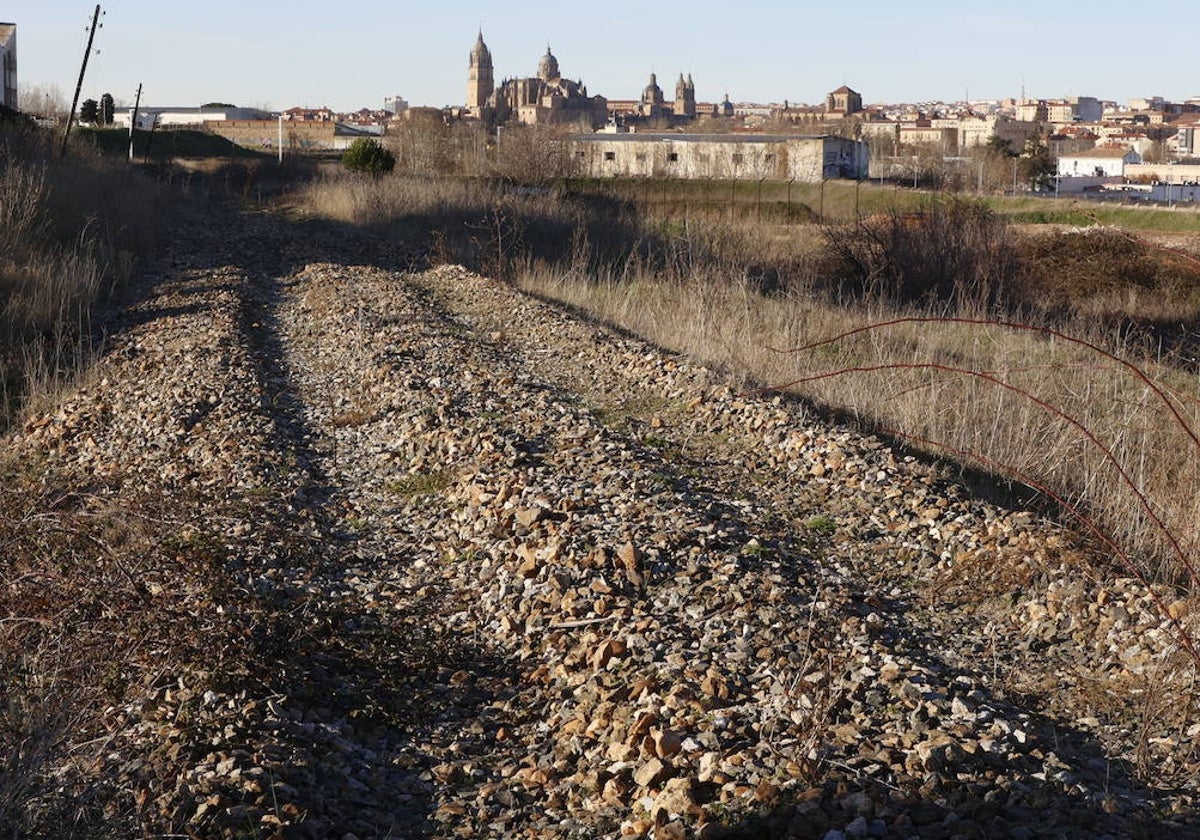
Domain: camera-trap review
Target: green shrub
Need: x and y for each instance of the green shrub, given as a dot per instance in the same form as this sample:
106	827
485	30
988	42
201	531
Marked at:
368	155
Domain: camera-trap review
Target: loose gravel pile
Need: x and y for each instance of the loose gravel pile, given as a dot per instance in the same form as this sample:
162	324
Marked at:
502	572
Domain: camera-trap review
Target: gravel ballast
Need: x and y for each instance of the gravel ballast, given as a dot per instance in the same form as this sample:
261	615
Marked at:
498	571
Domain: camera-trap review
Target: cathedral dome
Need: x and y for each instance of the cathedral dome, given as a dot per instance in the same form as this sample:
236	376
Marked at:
652	93
480	55
548	66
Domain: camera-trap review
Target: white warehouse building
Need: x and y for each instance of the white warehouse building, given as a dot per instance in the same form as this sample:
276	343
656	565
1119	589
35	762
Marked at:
725	156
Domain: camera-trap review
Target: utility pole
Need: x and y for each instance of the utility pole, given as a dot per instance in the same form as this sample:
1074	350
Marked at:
79	84
133	120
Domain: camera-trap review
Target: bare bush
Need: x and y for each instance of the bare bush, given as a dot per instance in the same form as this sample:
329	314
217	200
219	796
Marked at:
535	155
950	250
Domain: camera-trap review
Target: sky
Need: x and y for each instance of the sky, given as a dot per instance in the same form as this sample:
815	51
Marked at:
283	53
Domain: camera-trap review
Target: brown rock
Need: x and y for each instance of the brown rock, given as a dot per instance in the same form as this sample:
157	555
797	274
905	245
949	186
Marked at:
606	651
616	790
765	792
446	772
677	798
667	743
714	684
527	517
529	562
641	727
670	831
627	557
651	773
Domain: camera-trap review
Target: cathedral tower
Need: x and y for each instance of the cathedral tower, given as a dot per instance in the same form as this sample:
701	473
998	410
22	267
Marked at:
480	83
685	97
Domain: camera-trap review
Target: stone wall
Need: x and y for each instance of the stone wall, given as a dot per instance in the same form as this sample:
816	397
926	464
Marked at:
264	134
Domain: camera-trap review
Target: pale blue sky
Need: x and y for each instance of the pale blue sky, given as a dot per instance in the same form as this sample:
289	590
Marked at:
352	54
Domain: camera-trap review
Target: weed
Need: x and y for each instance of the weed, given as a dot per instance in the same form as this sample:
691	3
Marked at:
656	441
420	484
820	524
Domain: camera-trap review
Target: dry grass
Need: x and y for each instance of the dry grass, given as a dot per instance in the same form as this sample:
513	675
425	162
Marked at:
69	230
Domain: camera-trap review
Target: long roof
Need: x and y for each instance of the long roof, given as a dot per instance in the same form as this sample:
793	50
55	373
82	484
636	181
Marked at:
1102	152
632	137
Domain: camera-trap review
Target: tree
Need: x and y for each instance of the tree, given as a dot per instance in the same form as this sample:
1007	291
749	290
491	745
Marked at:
107	107
535	154
366	154
89	111
44	100
1037	164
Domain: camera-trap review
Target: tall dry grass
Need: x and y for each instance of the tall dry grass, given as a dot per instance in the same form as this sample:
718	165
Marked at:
70	229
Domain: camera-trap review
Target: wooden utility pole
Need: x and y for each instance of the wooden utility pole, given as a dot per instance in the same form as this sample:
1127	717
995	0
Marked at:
79	84
133	120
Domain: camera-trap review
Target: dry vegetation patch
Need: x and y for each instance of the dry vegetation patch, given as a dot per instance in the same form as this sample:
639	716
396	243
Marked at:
70	229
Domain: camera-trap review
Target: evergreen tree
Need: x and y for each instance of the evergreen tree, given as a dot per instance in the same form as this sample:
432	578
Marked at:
89	111
367	154
107	108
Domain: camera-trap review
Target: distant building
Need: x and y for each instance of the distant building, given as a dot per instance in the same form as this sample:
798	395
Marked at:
1101	162
546	98
149	116
480	84
1164	173
843	102
975	130
395	104
1032	110
8	65
685	98
323	114
733	156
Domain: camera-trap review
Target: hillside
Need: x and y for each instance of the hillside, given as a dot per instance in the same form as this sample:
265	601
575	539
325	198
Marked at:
332	545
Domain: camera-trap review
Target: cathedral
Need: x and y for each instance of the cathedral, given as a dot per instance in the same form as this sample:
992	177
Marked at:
654	106
544	99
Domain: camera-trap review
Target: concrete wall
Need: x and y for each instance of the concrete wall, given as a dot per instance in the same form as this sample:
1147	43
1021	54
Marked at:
806	159
1070	185
1172	193
1170	173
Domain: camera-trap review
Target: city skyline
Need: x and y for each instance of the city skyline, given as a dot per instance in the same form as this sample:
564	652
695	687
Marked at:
281	55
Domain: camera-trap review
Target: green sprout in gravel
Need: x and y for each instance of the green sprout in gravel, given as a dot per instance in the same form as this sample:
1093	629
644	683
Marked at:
420	484
821	524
